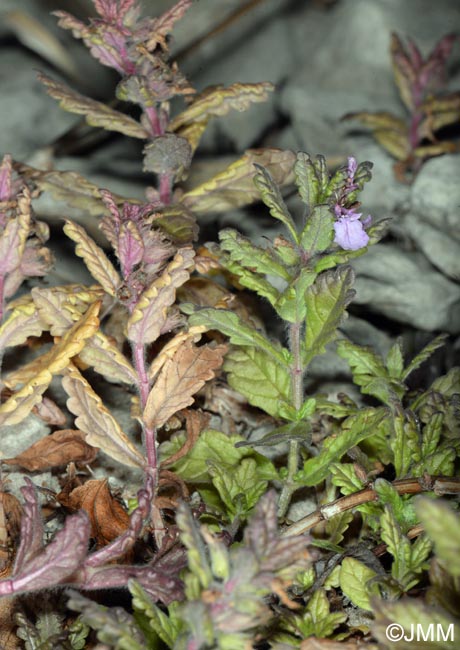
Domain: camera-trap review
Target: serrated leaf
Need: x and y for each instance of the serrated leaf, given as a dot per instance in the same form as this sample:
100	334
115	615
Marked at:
395	360
242	250
60	307
196	551
239	490
344	477
24	321
354	576
442	526
264	382
99	265
179	379
166	627
239	333
424	354
326	302
14	235
273	199
252	281
337	525
318	232
96	113
19	405
307	180
234	187
368	371
150	313
103	355
94	419
405	444
354	429
218	100
291	305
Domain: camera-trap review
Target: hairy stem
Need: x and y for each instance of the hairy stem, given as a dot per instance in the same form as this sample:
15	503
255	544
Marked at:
290	486
144	389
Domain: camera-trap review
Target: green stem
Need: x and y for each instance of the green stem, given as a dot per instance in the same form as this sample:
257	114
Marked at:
297	373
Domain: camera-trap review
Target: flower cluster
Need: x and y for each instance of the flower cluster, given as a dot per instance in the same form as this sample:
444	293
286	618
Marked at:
349	229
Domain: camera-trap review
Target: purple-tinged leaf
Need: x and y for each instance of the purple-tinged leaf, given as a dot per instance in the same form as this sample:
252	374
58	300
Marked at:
404	72
6	169
56	563
114	11
160	27
433	73
31	527
14	236
130	248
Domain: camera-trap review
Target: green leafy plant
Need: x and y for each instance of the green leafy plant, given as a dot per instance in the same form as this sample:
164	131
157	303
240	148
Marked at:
421	85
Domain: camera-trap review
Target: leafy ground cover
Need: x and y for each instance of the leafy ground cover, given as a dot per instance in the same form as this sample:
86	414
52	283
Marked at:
231	508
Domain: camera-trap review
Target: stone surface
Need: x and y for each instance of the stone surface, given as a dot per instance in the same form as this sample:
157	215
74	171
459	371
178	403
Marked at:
403	286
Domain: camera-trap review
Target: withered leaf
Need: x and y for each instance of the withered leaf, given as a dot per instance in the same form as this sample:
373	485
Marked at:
179	379
150	313
403	70
171	347
195	422
234	187
99	265
103	355
60	307
397	144
99	425
378	120
24	321
160	27
108	518
49	412
218	100
59	448
13	238
96	113
19	405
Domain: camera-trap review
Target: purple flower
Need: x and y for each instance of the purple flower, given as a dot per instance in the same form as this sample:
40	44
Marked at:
349	230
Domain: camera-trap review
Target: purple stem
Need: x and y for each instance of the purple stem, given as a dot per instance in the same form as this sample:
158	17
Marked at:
144	389
165	188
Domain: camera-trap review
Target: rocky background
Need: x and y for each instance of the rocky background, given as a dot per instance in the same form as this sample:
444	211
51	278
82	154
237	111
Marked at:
326	58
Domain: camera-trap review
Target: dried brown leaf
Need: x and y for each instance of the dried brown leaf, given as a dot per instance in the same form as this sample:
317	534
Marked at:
195	422
96	113
19	405
108	518
98	424
171	347
179	379
218	101
234	187
59	448
151	311
49	412
99	265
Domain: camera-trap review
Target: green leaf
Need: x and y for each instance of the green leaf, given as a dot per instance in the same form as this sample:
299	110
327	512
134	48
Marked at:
196	550
272	198
239	333
263	381
432	434
326	301
260	260
292	431
291	305
442	525
337	525
252	281
416	618
345	478
369	371
354	576
240	489
424	354
307	180
354	429
318	232
395	360
401	508
405	444
166	627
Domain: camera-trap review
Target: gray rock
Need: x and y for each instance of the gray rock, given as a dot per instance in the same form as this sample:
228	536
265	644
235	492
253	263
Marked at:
403	286
30	118
19	437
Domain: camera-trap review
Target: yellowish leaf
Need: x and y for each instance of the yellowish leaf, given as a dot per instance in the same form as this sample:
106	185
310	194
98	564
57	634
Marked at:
179	379
234	187
60	307
100	267
217	100
23	322
94	419
170	349
104	356
14	235
151	311
19	405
